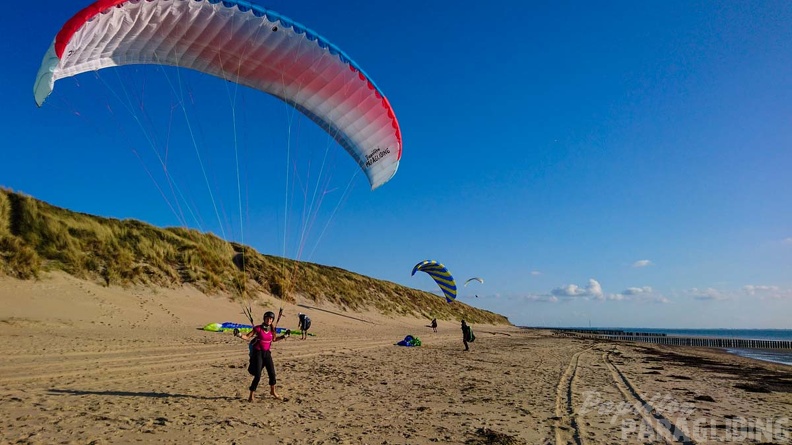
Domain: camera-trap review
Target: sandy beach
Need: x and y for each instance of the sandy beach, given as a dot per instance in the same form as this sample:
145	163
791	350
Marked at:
83	363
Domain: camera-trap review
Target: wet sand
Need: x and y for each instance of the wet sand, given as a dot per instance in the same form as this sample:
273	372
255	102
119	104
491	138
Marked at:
87	364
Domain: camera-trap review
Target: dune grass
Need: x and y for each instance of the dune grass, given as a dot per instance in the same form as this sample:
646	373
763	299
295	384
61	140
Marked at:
36	237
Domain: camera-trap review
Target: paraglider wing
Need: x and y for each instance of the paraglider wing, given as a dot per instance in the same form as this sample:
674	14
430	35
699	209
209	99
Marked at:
441	275
480	280
243	43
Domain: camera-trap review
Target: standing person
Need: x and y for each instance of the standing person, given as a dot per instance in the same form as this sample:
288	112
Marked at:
304	324
465	334
260	355
434	324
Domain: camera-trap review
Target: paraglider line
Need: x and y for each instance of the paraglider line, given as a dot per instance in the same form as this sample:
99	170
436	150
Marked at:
195	145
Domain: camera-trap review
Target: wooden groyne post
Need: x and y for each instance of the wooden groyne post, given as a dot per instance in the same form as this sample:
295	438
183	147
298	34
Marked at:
663	339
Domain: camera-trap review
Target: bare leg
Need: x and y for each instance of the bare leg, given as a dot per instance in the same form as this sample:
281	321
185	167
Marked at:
274	394
250	399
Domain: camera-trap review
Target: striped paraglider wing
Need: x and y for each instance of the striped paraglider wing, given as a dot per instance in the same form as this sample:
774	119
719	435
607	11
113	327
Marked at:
440	275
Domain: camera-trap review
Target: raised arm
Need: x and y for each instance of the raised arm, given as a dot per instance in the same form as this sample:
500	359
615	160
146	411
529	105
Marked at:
245	337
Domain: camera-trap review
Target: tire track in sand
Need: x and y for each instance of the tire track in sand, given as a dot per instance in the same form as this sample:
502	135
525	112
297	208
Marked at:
147	366
661	425
149	373
567	430
59	355
139	365
120	355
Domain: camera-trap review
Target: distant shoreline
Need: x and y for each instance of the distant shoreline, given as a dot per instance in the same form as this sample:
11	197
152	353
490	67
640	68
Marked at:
741	333
776	349
780	357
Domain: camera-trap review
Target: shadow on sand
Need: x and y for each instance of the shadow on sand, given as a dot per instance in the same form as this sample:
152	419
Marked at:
155	395
334	313
495	333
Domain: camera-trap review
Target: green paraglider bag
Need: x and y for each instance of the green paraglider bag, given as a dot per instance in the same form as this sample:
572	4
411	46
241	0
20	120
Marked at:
471	337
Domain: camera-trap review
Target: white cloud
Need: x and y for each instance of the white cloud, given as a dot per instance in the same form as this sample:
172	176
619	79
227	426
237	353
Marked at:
644	294
708	294
541	298
765	292
568	290
637	291
592	289
536	273
787	241
753	290
642	263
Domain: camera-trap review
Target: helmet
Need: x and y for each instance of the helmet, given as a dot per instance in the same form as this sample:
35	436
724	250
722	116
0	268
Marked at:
269	314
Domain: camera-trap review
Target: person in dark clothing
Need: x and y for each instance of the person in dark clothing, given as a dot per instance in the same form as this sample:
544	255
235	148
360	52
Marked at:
304	323
465	334
262	337
434	324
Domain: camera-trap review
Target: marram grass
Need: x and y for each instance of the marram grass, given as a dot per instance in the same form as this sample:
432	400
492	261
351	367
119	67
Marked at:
36	237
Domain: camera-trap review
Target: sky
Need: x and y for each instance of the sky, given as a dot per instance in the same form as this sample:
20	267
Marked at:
609	164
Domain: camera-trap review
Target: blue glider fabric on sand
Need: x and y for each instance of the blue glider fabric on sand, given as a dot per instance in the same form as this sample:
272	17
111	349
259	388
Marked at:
244	43
409	341
440	275
229	326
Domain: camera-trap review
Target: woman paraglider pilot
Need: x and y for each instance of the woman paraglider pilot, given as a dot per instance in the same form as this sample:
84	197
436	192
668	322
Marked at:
261	339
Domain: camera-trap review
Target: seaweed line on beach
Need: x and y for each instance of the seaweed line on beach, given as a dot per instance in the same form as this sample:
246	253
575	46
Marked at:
751	378
662	425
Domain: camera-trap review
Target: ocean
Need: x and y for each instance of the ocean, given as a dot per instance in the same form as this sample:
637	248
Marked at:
775	356
748	334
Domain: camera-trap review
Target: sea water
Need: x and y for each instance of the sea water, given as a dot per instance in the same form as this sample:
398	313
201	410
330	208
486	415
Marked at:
748	334
783	356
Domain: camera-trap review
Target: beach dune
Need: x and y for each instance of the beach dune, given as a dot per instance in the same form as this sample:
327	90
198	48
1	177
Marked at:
83	363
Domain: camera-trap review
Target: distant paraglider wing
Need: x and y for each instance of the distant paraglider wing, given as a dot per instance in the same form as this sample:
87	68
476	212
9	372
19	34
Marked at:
243	43
480	280
441	275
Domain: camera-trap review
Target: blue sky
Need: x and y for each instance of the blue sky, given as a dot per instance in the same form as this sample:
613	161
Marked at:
619	164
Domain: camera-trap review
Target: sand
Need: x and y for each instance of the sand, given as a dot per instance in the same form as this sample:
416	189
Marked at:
82	363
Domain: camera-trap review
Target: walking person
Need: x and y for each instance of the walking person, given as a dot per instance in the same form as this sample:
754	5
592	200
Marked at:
434	324
262	337
467	334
